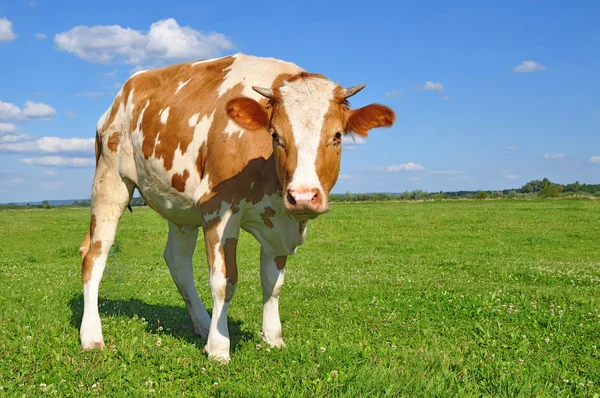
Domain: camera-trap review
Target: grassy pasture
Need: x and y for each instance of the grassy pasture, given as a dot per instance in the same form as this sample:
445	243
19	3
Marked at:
457	298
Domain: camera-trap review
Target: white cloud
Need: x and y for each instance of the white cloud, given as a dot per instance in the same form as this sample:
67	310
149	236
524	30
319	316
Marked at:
446	98
594	159
394	94
32	110
345	177
59	161
9	111
89	94
11	138
51	173
6	32
410	166
508	176
514	149
529	66
165	41
554	156
352	141
431	86
38	110
51	145
70	114
111	75
40	36
53	186
7	128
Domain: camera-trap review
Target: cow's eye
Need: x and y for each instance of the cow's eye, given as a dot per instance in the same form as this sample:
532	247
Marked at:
276	138
337	138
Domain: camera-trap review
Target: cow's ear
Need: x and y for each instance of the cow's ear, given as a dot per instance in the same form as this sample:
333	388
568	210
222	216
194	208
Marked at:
248	113
361	120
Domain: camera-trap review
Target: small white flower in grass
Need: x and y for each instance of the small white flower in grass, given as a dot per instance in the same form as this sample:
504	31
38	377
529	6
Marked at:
203	370
43	386
258	347
152	391
580	384
215	384
566	380
158	343
334	374
547	340
149	383
323	349
521	361
95	385
524	337
29	337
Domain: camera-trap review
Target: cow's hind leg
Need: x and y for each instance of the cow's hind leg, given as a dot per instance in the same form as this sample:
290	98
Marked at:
178	255
272	269
110	196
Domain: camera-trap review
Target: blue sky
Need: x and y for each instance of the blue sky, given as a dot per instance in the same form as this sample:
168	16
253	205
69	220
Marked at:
488	95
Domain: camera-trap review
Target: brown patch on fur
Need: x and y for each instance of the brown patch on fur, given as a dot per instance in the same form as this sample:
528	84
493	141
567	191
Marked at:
178	180
211	240
280	262
88	261
199	96
266	216
98	147
229	260
85	245
371	116
113	141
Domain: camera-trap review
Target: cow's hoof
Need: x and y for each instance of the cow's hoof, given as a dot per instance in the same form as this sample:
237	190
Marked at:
221	357
91	345
273	339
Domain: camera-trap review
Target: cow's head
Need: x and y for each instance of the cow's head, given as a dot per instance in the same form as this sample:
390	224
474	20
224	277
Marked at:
307	117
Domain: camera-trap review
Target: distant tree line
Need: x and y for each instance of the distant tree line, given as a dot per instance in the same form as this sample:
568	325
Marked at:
533	189
135	202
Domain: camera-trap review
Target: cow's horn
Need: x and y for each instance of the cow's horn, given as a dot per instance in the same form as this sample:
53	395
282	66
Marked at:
349	92
267	92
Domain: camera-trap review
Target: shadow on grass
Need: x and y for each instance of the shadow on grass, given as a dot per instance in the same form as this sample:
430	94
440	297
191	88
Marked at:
177	319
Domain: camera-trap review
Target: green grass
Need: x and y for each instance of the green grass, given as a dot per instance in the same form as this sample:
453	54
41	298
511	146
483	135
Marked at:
488	298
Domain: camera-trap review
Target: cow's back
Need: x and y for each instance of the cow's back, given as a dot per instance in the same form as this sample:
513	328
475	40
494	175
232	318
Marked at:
173	136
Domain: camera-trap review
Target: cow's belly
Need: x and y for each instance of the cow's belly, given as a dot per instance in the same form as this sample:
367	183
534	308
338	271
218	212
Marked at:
278	233
156	187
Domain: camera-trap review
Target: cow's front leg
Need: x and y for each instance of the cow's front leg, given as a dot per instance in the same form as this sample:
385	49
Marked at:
220	236
272	269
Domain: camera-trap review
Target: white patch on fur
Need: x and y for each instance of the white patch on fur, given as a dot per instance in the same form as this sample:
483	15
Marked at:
306	102
182	85
254	71
193	120
164	115
139	72
212	59
233	128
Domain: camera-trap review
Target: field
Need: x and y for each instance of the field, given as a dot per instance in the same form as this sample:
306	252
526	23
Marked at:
468	298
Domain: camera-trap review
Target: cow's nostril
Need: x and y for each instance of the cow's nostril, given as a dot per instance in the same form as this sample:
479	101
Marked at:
315	196
291	199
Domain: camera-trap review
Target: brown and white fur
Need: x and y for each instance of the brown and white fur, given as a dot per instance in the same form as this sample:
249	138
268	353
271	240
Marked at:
205	149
